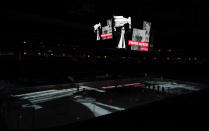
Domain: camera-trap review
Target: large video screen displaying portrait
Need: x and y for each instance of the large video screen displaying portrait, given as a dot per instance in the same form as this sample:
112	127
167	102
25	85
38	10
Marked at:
138	36
122	29
107	30
147	28
104	31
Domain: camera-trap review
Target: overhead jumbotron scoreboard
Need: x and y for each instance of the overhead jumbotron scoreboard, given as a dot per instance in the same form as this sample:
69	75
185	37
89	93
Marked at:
119	29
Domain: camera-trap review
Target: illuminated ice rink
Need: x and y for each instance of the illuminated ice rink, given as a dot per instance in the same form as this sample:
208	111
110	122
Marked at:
54	107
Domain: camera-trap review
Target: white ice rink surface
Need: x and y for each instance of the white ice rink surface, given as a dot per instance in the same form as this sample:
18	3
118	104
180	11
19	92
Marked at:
36	98
49	95
92	105
174	85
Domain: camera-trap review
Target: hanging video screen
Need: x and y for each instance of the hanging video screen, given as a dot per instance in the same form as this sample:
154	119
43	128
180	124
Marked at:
122	31
147	27
103	31
141	38
97	31
138	40
123	36
120	21
107	30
